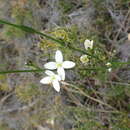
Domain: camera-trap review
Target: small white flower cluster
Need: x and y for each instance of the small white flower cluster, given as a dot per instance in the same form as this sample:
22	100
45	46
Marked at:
88	45
60	65
109	65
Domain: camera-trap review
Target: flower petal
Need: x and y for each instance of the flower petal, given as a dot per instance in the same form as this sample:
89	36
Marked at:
88	44
68	64
50	73
58	77
56	85
84	59
61	73
58	56
46	80
50	65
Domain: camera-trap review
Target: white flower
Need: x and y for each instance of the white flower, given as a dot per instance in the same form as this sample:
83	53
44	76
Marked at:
84	59
88	44
51	79
108	64
109	69
60	65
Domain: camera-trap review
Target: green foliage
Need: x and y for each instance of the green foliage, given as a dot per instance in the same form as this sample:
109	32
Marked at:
68	35
88	125
123	4
118	95
3	84
98	4
121	123
84	120
4	126
65	34
117	92
66	5
4	87
59	33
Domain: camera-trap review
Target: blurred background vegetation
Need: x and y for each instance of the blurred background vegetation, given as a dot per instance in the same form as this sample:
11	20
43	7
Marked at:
92	97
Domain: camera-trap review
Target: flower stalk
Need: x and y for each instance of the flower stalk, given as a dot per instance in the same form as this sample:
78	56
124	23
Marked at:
58	41
21	71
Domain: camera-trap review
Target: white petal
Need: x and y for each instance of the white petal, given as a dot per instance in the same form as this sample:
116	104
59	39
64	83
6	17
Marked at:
61	73
46	80
108	64
110	69
56	85
91	44
58	77
50	73
50	65
68	64
58	56
88	44
84	59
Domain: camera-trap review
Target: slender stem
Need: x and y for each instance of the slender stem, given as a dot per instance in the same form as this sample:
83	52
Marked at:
31	30
20	71
117	83
121	63
96	110
78	90
82	51
61	42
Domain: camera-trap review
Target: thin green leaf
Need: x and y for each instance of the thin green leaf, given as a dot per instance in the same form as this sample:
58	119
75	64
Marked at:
31	30
61	42
21	71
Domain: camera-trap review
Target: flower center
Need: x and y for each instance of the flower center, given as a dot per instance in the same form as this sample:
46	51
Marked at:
53	77
59	65
84	59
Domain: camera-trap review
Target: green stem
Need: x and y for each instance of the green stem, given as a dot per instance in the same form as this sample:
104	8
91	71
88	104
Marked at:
61	42
19	71
80	91
82	51
31	30
121	63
